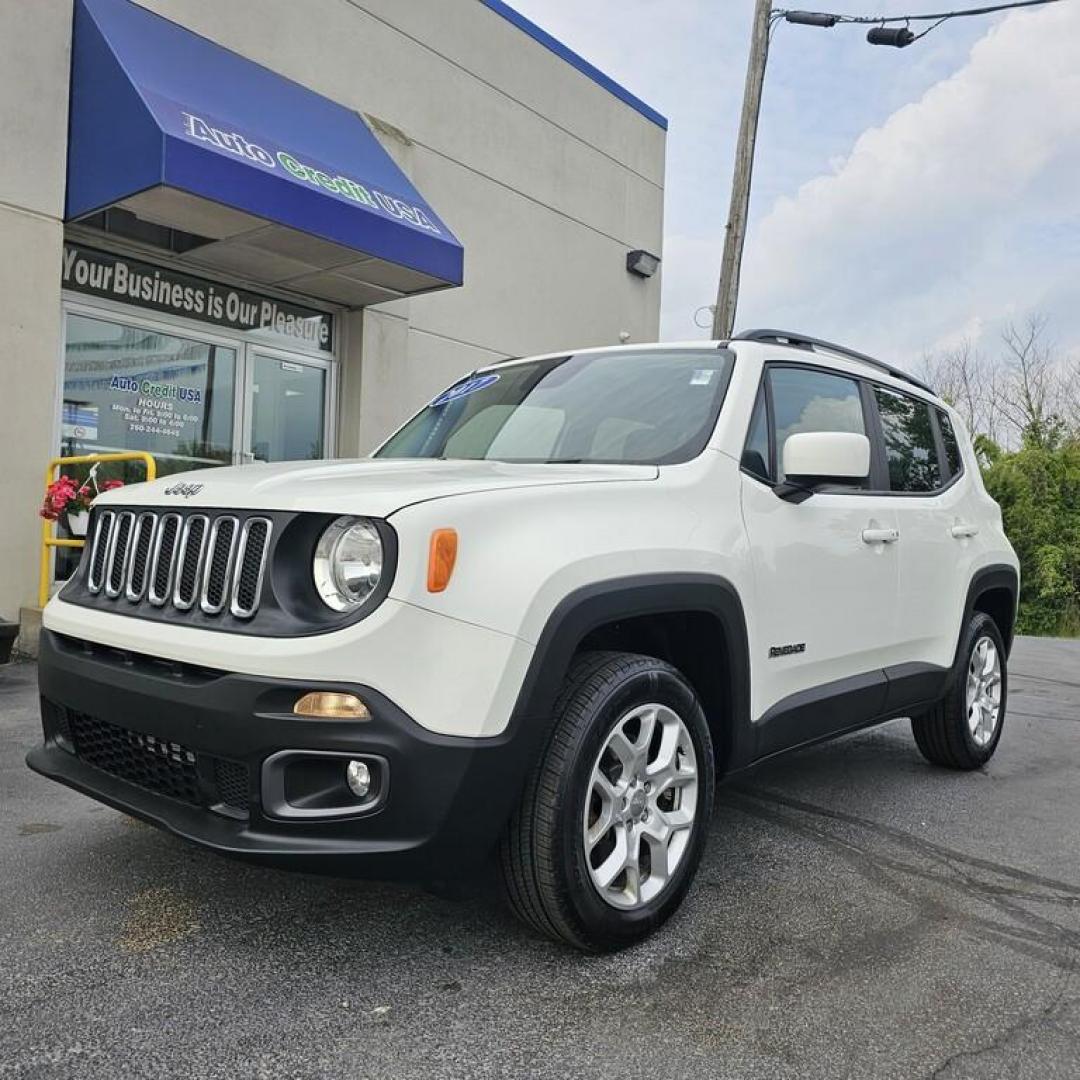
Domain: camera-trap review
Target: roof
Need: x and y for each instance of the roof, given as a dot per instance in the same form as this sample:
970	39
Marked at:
576	61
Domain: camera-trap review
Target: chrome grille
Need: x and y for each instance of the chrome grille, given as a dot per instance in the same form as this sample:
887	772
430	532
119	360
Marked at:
99	550
163	559
216	564
250	567
119	541
224	534
190	561
141	544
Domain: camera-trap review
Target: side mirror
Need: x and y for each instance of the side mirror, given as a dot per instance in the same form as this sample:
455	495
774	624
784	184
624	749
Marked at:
823	457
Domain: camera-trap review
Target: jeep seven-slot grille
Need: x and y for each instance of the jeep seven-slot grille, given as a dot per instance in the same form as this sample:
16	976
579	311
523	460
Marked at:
215	563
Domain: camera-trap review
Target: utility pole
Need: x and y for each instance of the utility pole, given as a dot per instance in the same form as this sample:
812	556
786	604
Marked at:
735	231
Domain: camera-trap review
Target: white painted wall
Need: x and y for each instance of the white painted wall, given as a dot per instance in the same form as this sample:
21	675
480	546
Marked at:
34	62
546	178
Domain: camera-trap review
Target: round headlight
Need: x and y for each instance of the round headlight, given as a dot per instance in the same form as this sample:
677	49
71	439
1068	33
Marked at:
348	563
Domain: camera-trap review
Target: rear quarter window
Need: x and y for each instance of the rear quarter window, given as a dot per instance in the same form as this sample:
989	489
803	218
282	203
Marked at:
910	447
953	458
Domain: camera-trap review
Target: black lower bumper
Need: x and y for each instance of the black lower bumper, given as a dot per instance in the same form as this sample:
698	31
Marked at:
442	810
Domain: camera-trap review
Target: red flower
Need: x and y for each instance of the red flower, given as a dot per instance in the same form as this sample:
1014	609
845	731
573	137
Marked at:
65	495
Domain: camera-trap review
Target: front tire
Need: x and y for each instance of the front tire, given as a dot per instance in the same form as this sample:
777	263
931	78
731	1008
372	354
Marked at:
962	731
613	821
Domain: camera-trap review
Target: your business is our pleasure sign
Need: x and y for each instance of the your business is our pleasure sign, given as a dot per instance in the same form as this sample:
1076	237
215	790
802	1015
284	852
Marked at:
115	277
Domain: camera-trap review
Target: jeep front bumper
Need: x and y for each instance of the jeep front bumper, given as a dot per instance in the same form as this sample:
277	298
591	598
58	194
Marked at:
202	754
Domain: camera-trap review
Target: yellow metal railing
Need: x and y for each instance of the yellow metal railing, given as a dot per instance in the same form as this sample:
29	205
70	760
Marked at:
48	538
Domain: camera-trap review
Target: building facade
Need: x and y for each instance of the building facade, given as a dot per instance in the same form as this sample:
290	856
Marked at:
271	229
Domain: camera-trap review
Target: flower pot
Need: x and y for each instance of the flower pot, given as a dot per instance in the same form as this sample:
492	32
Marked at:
9	631
78	523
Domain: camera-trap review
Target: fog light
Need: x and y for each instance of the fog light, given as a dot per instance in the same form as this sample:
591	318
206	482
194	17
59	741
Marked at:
332	707
358	777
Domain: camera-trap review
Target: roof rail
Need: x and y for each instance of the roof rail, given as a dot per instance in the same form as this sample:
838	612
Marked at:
803	341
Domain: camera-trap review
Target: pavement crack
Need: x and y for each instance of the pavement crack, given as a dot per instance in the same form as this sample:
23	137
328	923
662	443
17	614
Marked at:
1014	1031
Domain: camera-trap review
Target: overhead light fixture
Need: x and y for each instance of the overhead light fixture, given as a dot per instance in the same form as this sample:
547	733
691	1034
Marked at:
899	37
642	263
811	18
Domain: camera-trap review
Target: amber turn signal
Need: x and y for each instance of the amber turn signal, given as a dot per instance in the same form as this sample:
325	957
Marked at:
332	706
441	558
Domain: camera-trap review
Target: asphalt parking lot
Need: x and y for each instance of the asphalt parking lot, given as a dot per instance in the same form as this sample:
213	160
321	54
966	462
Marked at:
858	914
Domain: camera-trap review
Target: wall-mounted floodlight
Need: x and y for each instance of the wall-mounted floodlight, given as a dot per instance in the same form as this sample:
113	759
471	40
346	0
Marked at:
642	263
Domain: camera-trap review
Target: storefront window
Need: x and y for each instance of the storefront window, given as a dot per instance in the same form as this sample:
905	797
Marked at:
127	387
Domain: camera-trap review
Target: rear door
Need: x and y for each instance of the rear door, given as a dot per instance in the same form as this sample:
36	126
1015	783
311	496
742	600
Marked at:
823	620
925	476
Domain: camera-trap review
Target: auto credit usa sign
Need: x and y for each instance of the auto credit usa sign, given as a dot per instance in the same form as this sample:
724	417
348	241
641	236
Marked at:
198	129
115	277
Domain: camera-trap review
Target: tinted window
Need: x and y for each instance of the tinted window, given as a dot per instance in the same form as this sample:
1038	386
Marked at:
755	457
952	447
655	406
910	449
805	400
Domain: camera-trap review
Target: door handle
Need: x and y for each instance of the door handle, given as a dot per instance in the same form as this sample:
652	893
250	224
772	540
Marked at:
880	536
962	532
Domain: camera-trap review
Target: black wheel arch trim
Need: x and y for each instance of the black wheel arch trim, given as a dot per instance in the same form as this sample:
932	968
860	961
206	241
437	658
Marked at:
605	602
997	576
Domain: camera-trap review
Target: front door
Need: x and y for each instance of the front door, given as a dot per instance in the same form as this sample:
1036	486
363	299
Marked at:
286	407
822	621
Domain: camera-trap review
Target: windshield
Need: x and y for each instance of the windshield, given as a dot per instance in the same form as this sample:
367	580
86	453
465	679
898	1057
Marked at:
654	407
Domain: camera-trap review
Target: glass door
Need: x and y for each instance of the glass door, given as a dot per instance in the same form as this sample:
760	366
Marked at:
288	403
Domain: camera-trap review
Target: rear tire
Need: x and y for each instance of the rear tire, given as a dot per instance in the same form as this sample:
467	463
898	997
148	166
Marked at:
623	792
962	731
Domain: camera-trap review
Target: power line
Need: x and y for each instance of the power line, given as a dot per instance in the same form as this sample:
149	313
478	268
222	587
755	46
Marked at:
766	19
879	20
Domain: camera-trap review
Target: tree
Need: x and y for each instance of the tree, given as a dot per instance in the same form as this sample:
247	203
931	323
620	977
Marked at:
1038	490
1022	408
1030	396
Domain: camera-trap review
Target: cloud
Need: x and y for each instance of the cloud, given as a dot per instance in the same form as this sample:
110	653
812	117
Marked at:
960	210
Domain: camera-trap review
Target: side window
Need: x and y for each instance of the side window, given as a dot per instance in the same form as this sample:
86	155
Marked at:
910	449
755	457
808	400
952	447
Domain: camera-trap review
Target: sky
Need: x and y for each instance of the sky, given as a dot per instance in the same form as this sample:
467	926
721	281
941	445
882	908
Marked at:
903	199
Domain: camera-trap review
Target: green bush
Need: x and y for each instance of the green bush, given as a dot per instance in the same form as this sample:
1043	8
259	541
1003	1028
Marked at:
1038	489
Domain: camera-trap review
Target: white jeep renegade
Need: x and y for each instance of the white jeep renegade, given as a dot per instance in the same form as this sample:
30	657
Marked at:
541	621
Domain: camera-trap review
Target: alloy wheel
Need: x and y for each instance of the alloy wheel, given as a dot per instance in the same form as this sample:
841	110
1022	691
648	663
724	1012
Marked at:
641	806
983	691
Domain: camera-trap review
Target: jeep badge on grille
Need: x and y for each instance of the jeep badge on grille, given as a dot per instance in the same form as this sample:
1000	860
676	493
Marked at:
187	490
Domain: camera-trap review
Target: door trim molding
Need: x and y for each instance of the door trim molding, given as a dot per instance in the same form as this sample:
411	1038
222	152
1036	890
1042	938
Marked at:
849	704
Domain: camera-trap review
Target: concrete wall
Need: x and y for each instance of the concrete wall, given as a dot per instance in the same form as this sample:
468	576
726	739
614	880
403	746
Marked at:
34	62
547	178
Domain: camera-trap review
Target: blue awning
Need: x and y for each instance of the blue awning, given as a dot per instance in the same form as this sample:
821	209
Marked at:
292	188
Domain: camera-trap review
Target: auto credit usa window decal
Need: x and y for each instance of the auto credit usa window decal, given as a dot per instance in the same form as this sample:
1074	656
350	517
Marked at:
463	389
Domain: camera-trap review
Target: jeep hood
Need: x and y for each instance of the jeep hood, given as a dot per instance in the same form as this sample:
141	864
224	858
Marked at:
376	487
